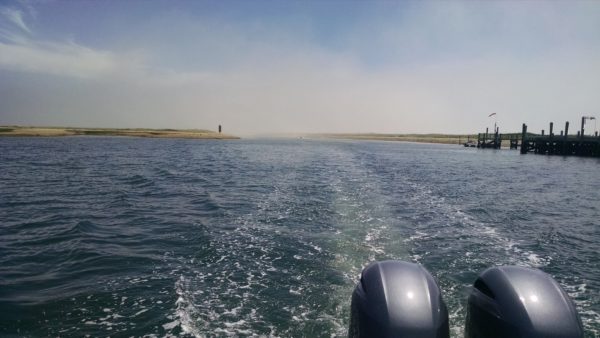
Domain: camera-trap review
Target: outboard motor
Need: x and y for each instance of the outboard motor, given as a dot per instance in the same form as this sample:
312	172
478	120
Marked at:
397	299
519	302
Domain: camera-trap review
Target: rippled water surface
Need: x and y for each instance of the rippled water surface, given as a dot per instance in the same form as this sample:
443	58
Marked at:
133	237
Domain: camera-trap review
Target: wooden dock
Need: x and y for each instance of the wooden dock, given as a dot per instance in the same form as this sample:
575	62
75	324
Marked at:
487	140
494	141
545	143
563	144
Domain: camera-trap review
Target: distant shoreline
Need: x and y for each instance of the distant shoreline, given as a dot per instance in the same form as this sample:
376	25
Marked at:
421	138
22	131
27	131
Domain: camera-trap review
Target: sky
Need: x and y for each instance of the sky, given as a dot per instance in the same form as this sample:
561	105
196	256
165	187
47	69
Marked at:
306	66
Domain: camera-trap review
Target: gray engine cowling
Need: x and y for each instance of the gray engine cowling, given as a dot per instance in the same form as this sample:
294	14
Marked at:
519	302
397	299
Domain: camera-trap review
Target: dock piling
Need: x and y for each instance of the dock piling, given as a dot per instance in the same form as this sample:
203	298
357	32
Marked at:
524	141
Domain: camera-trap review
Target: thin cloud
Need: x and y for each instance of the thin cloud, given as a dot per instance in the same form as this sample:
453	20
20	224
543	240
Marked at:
16	17
64	59
23	52
28	6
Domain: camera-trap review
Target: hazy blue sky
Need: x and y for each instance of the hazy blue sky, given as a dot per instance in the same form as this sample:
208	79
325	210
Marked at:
307	66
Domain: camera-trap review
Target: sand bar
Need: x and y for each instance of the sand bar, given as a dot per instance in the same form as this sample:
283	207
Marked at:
137	132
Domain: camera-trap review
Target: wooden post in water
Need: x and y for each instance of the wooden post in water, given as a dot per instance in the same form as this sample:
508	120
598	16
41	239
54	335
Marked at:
497	142
524	142
219	128
565	145
542	132
551	149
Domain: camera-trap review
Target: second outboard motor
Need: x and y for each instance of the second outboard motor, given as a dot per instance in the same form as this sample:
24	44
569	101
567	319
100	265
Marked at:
398	299
520	302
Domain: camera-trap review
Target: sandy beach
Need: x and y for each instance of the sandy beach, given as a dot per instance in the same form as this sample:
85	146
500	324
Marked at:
160	133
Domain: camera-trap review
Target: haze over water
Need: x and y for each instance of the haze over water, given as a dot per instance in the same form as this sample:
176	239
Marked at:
132	237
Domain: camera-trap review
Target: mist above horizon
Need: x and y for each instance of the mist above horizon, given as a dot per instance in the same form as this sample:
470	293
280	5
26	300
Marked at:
292	67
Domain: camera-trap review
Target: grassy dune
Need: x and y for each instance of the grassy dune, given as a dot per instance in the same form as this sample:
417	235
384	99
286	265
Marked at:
424	138
63	131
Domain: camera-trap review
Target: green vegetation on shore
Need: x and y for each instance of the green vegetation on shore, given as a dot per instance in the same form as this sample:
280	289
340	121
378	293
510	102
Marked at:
135	132
424	138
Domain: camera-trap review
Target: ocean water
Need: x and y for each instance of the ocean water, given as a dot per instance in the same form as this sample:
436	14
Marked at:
163	237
